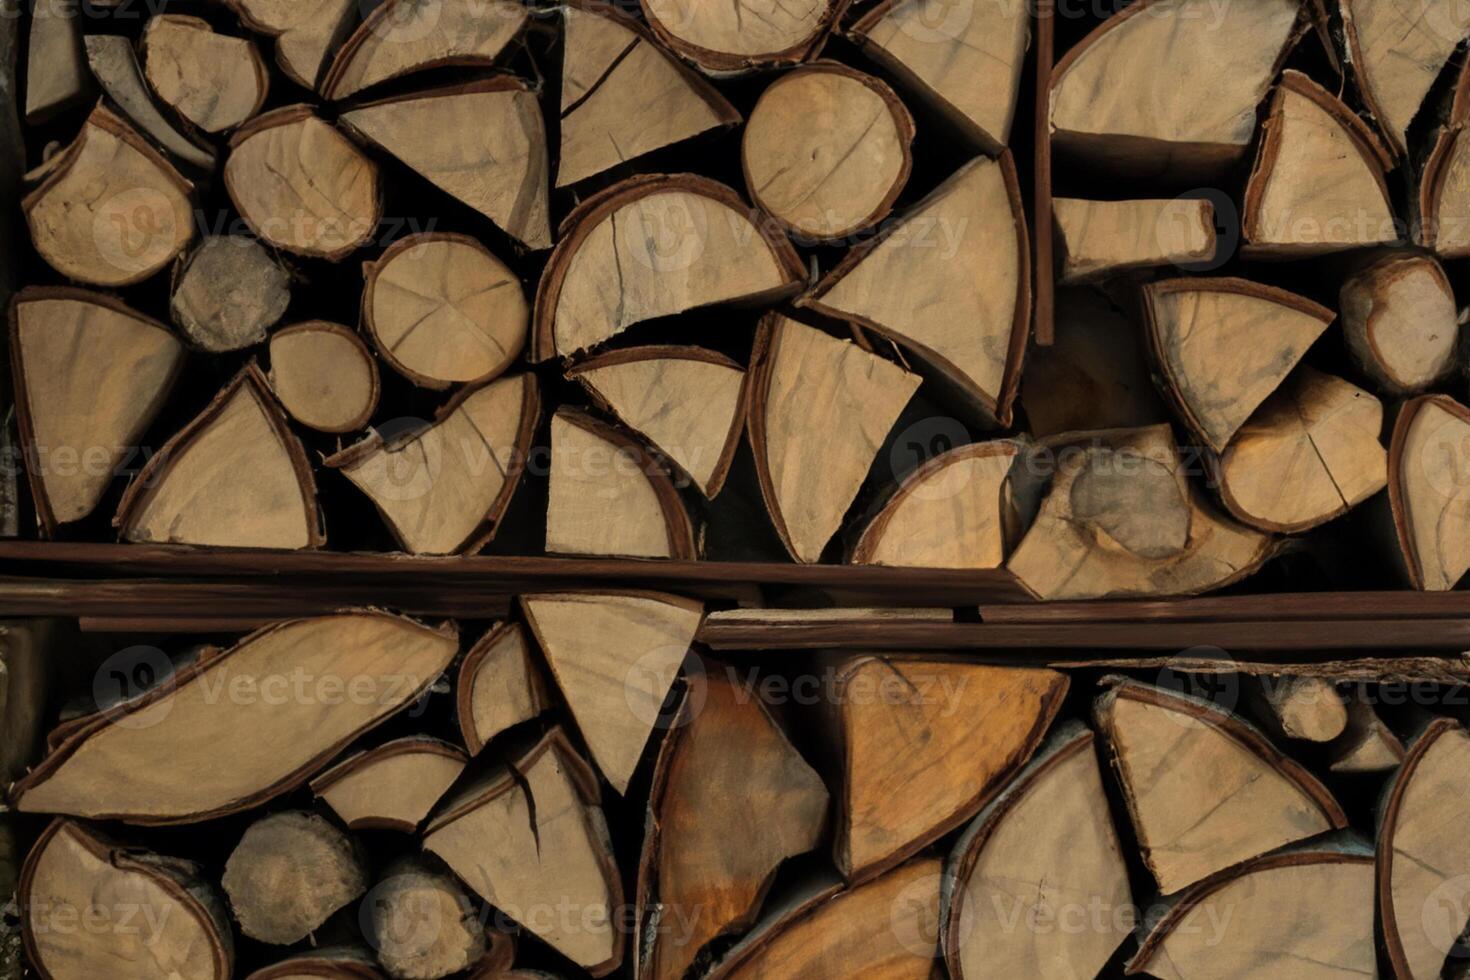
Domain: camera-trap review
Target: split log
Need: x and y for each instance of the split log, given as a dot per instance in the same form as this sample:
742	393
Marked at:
950	283
215	81
301	185
1401	322
112	211
289	873
324	375
1366	745
1444	195
733	40
622	95
305	32
498	687
235	477
421	922
354	670
56	71
157	915
614	656
826	151
90	376
530	838
392	786
1205	790
444	489
1042	852
1428	490
1304	708
115	66
227	293
1101	239
820	409
328	963
482	143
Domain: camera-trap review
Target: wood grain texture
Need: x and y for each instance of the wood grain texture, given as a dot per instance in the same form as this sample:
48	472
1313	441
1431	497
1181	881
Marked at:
498	686
289	873
1101	239
1401	321
1428	490
214	81
114	64
324	375
750	34
227	293
305	32
392	786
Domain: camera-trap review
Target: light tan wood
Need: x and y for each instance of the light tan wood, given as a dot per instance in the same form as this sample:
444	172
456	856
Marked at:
1100	239
392	786
733	40
305	31
1305	708
1444	195
289	873
1429	491
614	657
324	375
1396	56
424	925
1401	322
57	77
498	687
114	64
227	293
215	81
333	962
1366	745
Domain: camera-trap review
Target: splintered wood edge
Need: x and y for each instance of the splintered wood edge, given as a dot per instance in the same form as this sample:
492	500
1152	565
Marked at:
590	213
724	63
408	745
1431	181
1398	506
469	669
328	326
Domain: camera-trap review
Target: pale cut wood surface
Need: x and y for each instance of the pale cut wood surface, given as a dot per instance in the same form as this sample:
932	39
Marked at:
424	924
227	293
730	38
215	81
1445	196
1307	708
1397	53
305	32
499	686
1401	322
114	64
325	377
1431	490
1101	239
56	71
289	873
1366	744
392	786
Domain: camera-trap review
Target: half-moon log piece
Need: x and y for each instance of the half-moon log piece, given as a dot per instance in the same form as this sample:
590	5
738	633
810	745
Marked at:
227	293
826	151
90	377
1366	745
330	963
614	656
1044	849
1430	496
1223	345
114	64
324	375
734	39
498	686
213	80
653	246
961	307
1101	239
289	873
111	211
235	477
483	143
301	185
1293	706
392	786
921	758
820	411
688	402
423	925
443	310
305	32
56	67
1205	790
279	741
75	876
1444	195
1401	322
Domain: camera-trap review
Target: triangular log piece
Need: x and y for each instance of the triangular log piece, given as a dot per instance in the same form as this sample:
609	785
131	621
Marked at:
1309	453
90	376
443	489
1444	195
56	71
324	375
622	95
422	923
960	306
1317	185
1303	912
820	410
826	151
1427	459
112	211
529	837
1308	709
482	143
114	64
653	246
289	873
1101	239
73	872
227	293
215	81
235	477
328	963
955	511
305	31
609	496
712	846
1044	849
1121	519
964	62
302	186
405	36
1366	745
1401	322
499	686
725	40
614	656
1170	87
925	744
276	743
1205	789
393	786
1222	345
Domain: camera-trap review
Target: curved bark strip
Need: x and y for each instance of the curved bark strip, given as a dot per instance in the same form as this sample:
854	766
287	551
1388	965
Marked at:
499	686
214	81
228	293
733	39
1297	707
1429	490
305	32
1401	321
289	873
1444	195
329	963
392	786
324	376
1101	239
114	64
1396	54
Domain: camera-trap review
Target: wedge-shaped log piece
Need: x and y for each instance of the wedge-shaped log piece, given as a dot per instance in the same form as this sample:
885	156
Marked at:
324	375
1101	239
820	411
609	496
1292	706
614	656
214	81
443	490
1366	745
235	477
952	512
737	38
56	67
1429	491
654	246
483	143
1396	54
530	837
329	963
1042	851
289	873
228	293
90	376
111	211
75	876
622	95
925	744
498	687
950	283
1223	345
1205	790
688	402
393	786
305	32
234	698
114	63
1444	195
1170	86
423	924
1401	321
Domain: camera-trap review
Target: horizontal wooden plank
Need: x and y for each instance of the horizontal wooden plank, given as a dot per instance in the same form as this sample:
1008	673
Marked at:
1404	604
